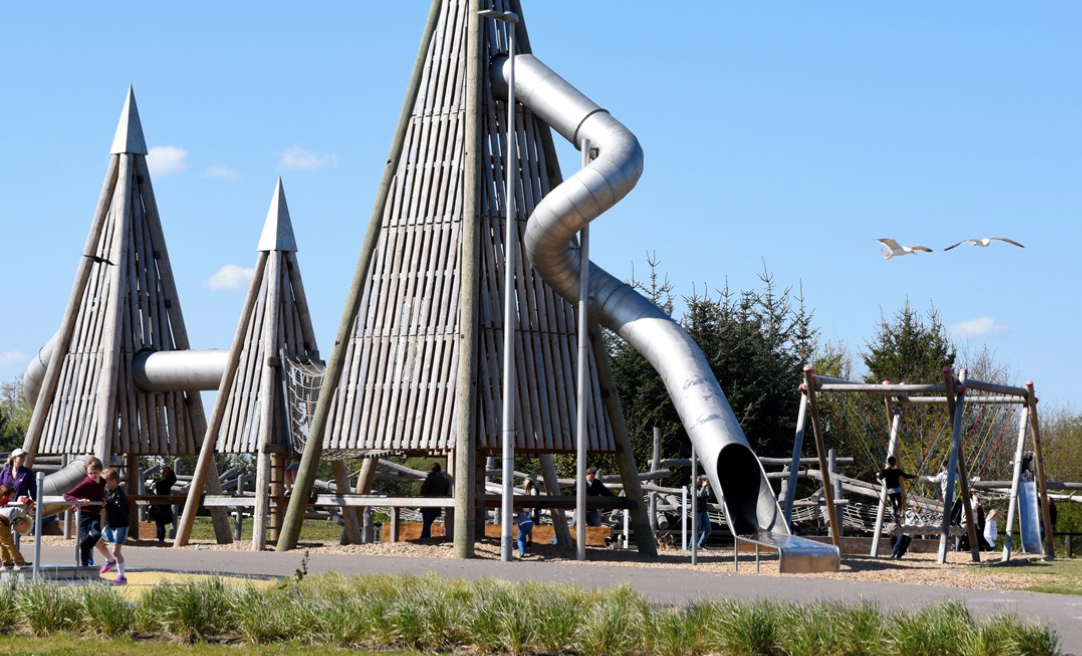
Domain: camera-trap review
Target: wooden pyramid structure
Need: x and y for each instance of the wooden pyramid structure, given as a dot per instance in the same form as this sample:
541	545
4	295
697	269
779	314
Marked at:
124	301
417	364
250	414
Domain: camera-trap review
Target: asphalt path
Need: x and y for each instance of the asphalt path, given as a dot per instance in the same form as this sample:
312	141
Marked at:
663	585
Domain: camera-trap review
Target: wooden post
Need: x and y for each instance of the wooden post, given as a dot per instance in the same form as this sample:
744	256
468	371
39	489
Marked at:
131	471
465	452
205	462
1042	489
313	452
956	466
277	489
645	540
552	486
268	386
109	351
820	449
351	533
71	314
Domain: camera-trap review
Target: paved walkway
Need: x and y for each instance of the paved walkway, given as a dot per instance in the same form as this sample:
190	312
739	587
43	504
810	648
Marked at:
664	585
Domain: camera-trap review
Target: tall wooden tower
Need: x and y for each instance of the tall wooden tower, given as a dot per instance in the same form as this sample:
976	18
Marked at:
416	367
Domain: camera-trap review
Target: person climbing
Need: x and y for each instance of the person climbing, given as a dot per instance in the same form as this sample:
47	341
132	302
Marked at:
892	476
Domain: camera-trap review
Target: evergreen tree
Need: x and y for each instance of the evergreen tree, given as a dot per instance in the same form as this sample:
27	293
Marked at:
755	343
908	350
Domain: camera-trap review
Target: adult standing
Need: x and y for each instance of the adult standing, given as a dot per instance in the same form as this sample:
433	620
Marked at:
162	513
435	485
595	488
703	496
19	476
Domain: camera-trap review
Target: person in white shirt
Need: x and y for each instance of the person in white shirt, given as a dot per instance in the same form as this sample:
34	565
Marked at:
990	528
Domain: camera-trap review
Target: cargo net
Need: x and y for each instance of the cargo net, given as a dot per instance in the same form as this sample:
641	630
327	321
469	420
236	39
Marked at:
303	380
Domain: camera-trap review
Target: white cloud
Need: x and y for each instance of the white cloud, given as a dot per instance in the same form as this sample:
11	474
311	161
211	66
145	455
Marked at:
979	327
166	160
222	172
231	276
296	158
13	358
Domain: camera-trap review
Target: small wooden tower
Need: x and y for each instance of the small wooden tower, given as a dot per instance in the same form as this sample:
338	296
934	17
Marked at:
417	363
249	413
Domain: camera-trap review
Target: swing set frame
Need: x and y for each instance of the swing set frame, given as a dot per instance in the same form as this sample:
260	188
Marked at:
952	393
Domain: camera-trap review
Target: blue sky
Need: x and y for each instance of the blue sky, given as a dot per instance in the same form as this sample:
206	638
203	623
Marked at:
788	135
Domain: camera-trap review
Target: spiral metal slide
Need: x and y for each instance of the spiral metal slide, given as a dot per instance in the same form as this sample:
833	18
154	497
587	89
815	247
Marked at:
748	501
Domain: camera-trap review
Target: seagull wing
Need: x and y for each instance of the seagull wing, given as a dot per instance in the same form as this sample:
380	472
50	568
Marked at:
956	245
921	248
1009	241
891	244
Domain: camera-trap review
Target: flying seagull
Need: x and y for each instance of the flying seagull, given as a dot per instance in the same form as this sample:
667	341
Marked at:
983	243
894	249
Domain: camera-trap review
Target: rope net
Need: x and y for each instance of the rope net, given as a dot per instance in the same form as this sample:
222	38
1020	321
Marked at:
303	380
862	424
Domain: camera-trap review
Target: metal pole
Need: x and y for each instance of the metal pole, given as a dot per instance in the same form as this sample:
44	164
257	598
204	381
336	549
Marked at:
794	468
37	522
583	373
684	515
510	245
694	507
1012	505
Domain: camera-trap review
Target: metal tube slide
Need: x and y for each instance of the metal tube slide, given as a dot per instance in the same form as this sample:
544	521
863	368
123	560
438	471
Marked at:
153	371
728	461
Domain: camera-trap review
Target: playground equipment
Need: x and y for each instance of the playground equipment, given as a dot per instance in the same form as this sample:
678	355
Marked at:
1024	495
119	377
415	365
395	406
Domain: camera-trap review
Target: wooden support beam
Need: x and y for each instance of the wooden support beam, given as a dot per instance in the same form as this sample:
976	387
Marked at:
313	452
465	452
820	451
205	463
1042	487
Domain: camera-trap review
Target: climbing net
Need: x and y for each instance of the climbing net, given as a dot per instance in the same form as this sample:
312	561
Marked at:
303	380
863	424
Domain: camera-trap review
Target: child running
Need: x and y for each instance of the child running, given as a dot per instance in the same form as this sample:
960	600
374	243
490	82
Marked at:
116	524
90	490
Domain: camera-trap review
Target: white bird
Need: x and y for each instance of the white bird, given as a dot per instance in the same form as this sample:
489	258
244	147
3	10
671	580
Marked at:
894	249
983	243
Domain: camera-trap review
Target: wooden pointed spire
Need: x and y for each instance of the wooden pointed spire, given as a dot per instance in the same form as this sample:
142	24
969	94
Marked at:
124	301
250	409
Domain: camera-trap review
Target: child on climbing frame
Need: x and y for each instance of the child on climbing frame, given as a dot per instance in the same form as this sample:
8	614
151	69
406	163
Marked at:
892	475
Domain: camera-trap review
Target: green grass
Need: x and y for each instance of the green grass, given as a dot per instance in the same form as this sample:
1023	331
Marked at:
68	645
1060	576
431	614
